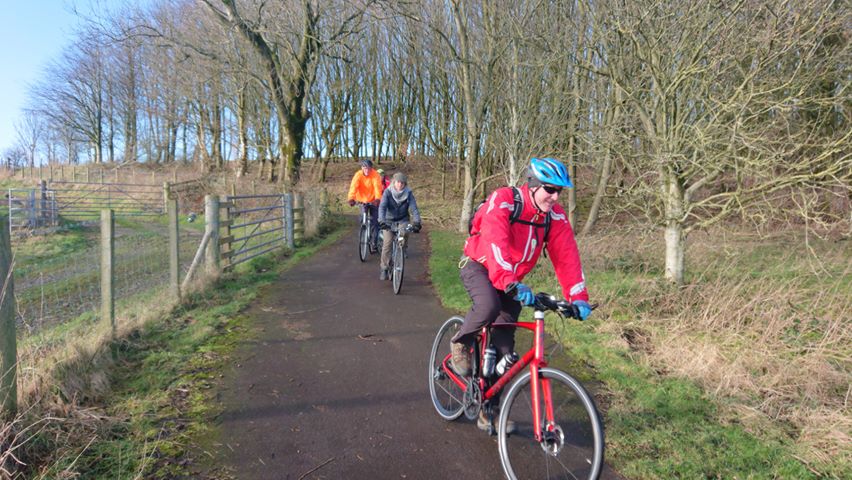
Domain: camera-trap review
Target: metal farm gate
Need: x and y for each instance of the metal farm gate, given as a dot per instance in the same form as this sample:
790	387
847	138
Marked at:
87	199
31	208
254	225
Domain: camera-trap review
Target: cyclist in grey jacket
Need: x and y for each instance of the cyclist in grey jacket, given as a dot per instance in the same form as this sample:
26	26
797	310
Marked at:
394	209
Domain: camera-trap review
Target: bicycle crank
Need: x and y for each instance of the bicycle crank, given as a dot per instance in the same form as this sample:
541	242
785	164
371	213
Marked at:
472	400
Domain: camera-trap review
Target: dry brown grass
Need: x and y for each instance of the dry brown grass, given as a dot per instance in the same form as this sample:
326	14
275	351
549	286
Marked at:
763	326
61	386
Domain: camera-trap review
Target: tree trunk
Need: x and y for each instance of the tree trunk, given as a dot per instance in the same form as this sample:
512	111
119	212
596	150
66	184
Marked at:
242	127
600	192
675	237
216	133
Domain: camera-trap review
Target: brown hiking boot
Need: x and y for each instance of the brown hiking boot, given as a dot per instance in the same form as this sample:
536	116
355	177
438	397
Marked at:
460	360
484	424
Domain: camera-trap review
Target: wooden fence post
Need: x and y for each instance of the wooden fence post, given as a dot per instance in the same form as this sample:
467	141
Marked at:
211	219
8	342
107	262
42	210
166	196
298	217
174	249
31	209
288	212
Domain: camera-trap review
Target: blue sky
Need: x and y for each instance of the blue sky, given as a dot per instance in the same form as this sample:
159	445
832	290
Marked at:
33	33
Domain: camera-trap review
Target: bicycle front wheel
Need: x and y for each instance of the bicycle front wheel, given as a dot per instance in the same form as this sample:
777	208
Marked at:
571	446
398	268
446	395
363	242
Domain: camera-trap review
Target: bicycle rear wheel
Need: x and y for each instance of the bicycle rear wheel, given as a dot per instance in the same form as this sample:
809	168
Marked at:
363	242
446	395
398	268
571	448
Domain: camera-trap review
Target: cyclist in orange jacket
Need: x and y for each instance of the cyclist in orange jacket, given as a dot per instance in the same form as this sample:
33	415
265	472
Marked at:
366	189
505	243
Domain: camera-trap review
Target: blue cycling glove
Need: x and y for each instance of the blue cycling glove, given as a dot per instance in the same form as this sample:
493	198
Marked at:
583	308
524	295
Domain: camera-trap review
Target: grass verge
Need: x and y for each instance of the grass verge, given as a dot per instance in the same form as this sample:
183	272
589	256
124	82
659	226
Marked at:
657	425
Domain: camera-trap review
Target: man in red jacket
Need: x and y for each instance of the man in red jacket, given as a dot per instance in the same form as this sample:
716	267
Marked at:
502	250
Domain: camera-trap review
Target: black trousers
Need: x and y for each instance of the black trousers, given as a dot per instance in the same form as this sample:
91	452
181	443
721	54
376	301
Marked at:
489	306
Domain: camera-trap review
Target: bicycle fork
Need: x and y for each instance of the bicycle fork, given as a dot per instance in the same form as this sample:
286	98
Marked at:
540	386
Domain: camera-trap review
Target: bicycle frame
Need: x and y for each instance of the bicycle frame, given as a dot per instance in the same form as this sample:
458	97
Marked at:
399	239
365	216
534	358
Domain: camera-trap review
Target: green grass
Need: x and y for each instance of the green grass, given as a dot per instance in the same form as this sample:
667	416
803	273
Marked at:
656	427
158	403
446	249
34	253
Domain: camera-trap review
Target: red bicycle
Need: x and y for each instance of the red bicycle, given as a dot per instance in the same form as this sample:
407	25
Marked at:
557	431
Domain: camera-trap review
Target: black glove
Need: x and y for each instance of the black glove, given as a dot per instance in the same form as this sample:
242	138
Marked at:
384	225
416	228
351	203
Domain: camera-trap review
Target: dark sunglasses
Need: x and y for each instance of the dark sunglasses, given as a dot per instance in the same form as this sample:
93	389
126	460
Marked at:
551	189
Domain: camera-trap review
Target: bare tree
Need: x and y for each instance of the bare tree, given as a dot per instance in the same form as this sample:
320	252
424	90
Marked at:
30	132
303	30
74	94
716	105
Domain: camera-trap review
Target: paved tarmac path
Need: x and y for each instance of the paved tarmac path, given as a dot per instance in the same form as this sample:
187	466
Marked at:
335	384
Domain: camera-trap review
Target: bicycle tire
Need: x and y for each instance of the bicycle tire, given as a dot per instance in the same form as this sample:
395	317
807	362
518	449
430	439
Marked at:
398	269
446	395
363	242
573	449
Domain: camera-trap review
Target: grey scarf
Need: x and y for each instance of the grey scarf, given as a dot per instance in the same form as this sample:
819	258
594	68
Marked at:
400	196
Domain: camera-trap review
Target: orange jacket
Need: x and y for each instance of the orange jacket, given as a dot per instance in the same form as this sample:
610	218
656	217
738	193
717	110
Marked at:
367	188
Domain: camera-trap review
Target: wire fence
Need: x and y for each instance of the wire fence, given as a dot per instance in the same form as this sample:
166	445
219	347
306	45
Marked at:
73	291
57	289
62	288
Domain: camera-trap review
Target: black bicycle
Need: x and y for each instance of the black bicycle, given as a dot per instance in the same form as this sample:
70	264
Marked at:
396	266
364	232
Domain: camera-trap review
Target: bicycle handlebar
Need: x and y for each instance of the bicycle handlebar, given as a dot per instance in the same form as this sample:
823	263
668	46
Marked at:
408	227
545	301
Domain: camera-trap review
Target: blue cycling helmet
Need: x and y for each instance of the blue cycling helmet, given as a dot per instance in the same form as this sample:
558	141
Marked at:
548	171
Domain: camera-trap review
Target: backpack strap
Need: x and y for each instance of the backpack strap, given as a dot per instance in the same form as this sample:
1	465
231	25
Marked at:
518	207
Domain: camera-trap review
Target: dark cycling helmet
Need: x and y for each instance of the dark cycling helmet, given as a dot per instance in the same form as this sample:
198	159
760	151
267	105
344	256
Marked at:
549	171
367	163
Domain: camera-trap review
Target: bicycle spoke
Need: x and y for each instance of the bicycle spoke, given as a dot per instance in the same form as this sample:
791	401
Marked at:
570	448
448	404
